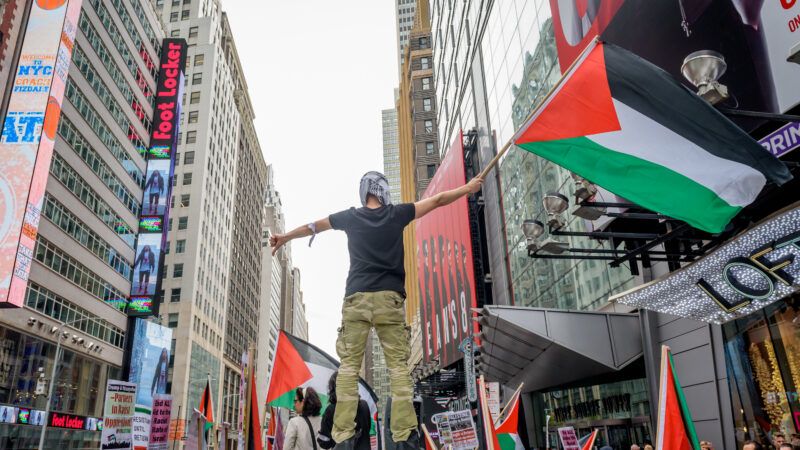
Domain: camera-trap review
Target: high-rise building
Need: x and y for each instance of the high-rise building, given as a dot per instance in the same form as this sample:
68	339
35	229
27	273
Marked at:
271	282
404	13
203	294
391	152
298	310
81	267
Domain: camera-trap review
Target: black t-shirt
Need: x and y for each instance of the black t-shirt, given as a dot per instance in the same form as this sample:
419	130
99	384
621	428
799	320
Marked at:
375	242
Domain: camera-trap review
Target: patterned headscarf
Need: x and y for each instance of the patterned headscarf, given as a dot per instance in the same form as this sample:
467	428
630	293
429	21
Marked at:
376	184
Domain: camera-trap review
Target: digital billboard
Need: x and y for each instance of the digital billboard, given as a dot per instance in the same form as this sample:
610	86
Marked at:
152	238
149	371
444	256
27	140
755	38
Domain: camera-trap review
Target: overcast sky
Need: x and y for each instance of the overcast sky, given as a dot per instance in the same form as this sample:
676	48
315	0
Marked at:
319	72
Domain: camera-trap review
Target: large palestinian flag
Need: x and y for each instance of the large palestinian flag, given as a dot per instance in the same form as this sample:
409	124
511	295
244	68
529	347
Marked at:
508	430
628	126
675	429
300	364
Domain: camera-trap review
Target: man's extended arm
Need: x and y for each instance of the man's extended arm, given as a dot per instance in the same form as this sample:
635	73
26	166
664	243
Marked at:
427	205
277	241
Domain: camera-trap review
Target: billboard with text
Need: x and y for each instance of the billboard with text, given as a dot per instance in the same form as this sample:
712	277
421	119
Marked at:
29	130
446	271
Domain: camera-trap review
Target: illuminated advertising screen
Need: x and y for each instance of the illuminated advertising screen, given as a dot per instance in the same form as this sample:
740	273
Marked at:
29	130
446	274
149	371
160	156
754	37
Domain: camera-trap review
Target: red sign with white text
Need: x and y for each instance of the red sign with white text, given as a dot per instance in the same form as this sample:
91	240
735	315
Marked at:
446	272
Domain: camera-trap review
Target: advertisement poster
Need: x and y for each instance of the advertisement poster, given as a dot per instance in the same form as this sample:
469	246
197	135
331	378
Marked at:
159	422
446	272
569	440
118	415
27	140
754	38
149	369
195	439
457	429
493	399
158	181
242	400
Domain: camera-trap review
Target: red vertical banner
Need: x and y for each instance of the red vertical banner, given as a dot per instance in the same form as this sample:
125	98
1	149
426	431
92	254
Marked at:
446	271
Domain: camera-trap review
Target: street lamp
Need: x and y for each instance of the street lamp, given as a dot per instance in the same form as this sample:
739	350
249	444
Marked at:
58	335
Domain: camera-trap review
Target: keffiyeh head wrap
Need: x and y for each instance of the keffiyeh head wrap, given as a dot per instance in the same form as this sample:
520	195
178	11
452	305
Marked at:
376	184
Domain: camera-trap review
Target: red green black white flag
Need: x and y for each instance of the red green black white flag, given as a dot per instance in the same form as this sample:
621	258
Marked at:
674	426
628	126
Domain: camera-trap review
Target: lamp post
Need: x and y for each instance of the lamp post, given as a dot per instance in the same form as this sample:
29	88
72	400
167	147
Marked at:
53	375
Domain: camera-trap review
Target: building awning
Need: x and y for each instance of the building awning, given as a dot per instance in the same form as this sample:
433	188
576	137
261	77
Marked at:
547	348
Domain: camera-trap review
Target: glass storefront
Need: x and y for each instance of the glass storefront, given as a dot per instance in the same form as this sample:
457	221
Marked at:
620	411
762	353
79	390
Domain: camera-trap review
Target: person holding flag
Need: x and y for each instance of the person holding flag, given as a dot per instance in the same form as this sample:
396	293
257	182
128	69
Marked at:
375	297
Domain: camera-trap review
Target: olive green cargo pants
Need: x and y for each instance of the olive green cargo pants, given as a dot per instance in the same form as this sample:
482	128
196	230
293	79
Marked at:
384	310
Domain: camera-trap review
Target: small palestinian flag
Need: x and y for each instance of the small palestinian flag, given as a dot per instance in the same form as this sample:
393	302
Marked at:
628	126
254	422
206	408
587	442
508	430
299	364
492	441
674	429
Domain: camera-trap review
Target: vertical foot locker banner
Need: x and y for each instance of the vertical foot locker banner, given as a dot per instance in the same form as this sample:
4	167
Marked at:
29	132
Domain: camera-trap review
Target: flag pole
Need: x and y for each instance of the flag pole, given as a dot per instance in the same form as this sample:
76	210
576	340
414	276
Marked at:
486	419
428	437
552	90
503	411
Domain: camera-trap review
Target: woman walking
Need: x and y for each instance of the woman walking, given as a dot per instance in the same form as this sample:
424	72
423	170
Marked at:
363	421
301	432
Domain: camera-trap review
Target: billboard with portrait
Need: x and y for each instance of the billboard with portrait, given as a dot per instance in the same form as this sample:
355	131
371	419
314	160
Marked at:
27	140
149	371
755	38
444	258
158	181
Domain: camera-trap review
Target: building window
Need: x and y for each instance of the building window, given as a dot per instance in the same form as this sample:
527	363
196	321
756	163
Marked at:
185	200
187	179
172	322
425	63
427	104
175	33
180	246
177	271
198	60
192	32
183	222
423	42
184	14
188	157
426	84
429	148
193	116
431	169
175	296
197	78
429	126
195	98
191	137
173	17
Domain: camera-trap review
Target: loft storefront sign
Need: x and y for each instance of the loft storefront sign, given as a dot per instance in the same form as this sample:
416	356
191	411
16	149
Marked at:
754	269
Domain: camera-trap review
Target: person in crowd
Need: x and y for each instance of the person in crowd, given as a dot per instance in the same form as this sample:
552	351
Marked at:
648	447
301	431
363	420
635	447
706	445
796	440
751	445
786	446
778	439
606	447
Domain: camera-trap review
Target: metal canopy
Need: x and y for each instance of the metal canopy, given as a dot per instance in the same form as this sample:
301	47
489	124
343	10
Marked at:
546	348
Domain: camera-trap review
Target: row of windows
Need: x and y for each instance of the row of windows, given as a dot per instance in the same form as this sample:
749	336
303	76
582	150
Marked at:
112	68
127	22
79	145
119	43
90	115
61	309
64	219
55	258
72	181
111	104
148	30
173	16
